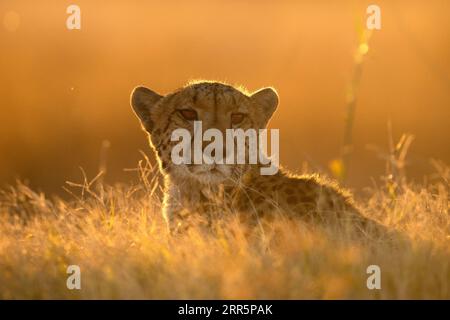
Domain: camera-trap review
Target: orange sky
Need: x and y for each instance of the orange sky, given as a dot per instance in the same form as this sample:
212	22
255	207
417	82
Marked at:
64	92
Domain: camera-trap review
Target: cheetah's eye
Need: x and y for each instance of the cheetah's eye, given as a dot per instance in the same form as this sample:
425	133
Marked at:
189	114
237	118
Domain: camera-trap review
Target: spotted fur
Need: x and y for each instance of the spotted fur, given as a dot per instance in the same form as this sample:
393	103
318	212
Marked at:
217	190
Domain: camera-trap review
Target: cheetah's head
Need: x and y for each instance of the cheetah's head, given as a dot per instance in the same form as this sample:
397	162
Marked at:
216	105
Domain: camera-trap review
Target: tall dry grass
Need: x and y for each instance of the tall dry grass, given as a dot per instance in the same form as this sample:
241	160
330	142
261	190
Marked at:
118	238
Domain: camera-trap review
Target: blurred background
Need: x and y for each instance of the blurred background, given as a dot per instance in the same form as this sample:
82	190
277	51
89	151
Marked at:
65	93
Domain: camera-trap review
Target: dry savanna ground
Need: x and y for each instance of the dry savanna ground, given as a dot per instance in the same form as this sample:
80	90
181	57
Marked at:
64	93
117	237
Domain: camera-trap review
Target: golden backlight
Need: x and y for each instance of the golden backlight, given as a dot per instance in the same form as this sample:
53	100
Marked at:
65	93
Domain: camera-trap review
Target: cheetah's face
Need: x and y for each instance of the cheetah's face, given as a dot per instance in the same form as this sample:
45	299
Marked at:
217	106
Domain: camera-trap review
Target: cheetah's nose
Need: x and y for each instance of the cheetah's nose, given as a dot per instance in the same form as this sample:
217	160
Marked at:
214	169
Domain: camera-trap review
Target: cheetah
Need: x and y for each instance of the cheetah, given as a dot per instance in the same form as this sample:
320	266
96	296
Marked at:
214	190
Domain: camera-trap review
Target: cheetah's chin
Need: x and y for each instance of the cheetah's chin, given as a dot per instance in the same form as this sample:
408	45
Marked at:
210	177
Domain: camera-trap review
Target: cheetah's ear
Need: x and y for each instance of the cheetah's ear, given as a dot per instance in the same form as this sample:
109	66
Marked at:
142	101
267	99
